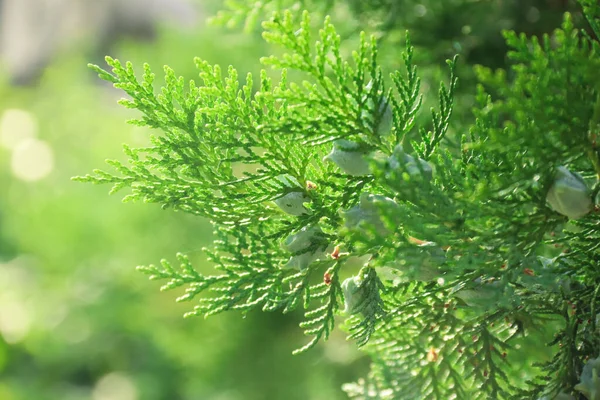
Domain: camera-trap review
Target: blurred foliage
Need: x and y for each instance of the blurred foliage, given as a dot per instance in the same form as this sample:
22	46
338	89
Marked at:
76	320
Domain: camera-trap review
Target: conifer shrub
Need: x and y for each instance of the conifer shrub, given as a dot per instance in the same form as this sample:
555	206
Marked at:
479	241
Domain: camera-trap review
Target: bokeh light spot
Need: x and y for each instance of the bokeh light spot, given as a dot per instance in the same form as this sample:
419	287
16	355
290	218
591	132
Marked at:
16	126
15	321
420	10
115	386
32	160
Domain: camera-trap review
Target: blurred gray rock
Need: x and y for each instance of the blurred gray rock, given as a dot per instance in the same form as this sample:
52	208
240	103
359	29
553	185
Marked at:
33	32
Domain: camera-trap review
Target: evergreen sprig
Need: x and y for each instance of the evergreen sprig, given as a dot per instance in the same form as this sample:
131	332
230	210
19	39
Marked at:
478	243
491	267
227	151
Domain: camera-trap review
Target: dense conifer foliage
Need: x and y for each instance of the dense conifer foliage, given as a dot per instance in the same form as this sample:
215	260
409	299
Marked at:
477	240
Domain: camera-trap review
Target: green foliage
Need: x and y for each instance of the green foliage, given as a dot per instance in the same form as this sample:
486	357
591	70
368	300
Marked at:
462	248
233	131
75	315
251	12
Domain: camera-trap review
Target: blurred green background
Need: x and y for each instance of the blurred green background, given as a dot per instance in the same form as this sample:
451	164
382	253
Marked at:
76	320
